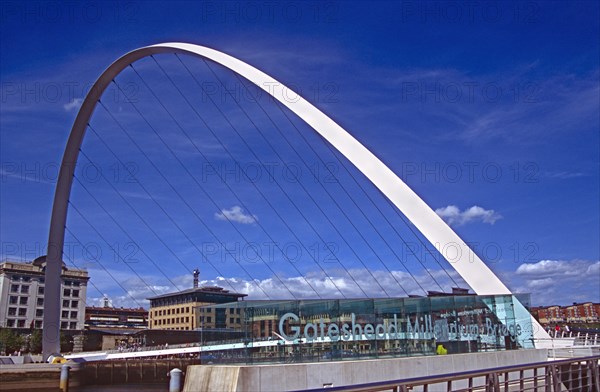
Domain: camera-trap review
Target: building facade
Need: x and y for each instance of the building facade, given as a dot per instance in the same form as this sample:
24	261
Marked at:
109	317
582	313
283	331
586	312
183	310
549	314
578	313
22	295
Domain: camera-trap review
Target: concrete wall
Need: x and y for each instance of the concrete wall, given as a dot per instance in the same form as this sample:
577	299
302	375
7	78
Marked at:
284	377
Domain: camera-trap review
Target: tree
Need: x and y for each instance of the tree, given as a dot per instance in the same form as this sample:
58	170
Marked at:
10	341
35	342
66	342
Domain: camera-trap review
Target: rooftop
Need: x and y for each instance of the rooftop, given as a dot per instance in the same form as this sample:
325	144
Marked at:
38	266
121	309
212	290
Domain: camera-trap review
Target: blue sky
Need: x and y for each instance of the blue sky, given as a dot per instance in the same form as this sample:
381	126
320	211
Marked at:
489	111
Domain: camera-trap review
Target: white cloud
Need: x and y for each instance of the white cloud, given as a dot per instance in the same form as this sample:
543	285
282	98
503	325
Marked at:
454	216
74	104
548	281
542	268
136	293
564	175
128	289
236	214
558	281
354	284
560	268
350	284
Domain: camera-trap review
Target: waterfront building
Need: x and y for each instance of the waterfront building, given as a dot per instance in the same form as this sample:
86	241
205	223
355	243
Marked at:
550	315
316	330
183	310
108	317
586	312
578	313
22	295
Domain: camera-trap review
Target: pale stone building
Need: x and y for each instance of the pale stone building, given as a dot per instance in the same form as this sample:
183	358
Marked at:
22	295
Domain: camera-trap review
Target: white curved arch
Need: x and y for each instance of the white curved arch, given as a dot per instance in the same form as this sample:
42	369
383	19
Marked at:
472	269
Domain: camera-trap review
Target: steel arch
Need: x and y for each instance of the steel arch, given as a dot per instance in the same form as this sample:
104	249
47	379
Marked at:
472	269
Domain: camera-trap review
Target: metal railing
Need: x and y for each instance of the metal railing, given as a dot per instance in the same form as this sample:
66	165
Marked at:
581	338
572	375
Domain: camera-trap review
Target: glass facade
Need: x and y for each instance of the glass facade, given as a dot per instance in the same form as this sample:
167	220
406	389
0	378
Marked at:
351	329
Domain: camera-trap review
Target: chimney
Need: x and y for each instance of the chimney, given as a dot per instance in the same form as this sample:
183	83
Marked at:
196	276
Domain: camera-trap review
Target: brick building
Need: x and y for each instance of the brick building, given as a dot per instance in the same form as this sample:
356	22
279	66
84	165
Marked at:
108	317
586	312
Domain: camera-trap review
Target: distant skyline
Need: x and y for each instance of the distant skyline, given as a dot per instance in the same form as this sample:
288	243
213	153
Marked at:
489	111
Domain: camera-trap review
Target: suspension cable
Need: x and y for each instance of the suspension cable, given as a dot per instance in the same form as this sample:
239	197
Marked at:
273	179
301	185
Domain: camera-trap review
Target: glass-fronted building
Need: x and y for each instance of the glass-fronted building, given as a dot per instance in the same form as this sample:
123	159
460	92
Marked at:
350	329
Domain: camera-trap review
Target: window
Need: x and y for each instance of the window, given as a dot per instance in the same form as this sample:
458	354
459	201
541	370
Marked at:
187	319
237	320
39	312
64	325
237	311
38	324
68	283
40	290
230	310
74	304
40	302
76	284
75	293
73	315
12	311
10	323
231	320
13	300
14	288
208	319
26	278
64	314
66	293
22	311
23	301
72	325
65	303
20	323
24	289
